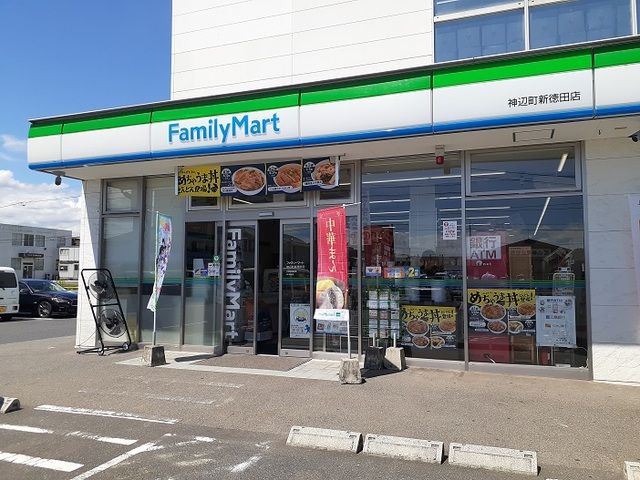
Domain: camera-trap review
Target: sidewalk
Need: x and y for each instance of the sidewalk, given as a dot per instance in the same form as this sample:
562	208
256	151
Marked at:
580	429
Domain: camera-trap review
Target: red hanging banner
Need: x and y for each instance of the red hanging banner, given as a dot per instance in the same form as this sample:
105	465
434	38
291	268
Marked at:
333	280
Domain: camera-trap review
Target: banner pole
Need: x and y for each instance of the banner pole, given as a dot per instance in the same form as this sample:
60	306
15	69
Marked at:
349	337
155	280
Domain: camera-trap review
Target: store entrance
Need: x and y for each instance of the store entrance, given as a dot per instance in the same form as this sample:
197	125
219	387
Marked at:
268	287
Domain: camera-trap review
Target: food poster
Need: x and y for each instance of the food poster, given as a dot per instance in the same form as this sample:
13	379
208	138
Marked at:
556	326
299	320
201	181
247	180
429	326
502	311
284	177
320	173
486	256
333	267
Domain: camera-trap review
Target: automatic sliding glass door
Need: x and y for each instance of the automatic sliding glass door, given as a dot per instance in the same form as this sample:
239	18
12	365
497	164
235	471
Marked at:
295	288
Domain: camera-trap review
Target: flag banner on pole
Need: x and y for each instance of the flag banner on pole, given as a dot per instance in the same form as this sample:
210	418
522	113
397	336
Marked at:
332	283
163	249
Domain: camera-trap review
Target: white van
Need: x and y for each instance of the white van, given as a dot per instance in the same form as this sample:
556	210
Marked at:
9	294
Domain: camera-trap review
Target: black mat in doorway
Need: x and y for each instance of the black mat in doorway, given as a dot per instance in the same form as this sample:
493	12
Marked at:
259	362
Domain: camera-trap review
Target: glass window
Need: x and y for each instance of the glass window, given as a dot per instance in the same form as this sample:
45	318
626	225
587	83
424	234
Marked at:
16	239
8	280
39	240
62	241
240	200
523	170
160	197
412	261
122	195
203	202
121	250
479	36
16	264
442	7
526	282
38	264
578	21
344	191
28	240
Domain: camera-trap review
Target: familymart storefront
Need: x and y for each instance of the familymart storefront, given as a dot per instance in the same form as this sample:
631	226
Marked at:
486	211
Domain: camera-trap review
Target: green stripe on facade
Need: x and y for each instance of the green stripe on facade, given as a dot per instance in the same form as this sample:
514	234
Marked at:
616	55
513	68
239	105
364	89
108	122
45	130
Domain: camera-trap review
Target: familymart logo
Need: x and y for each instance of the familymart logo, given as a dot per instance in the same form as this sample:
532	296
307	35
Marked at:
215	130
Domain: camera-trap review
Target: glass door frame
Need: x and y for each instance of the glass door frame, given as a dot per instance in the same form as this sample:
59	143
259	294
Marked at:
250	350
286	352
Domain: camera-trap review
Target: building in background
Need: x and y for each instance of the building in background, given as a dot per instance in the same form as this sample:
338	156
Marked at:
69	260
487	159
32	251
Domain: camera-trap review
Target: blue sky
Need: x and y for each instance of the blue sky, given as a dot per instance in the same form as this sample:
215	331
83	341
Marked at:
70	56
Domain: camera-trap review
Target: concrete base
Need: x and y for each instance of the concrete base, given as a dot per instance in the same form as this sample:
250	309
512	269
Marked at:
374	358
404	448
325	439
9	404
394	359
493	458
632	470
153	355
350	371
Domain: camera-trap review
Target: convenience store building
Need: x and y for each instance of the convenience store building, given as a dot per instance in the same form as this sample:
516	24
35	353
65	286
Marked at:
491	203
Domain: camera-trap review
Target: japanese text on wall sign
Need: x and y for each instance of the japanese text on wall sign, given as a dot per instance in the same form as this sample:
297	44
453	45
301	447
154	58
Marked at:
199	181
544	99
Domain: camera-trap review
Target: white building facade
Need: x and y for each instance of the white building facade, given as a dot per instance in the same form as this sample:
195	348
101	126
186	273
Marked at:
488	166
32	251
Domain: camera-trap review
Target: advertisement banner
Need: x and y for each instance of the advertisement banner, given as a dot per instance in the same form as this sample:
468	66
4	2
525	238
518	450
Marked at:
429	326
634	210
502	311
556	326
320	173
299	320
333	280
284	177
246	180
486	256
163	249
201	181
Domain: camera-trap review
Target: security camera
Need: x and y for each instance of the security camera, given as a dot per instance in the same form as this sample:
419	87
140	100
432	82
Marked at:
58	180
635	136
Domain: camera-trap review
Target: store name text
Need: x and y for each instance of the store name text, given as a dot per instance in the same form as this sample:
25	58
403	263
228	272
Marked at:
216	130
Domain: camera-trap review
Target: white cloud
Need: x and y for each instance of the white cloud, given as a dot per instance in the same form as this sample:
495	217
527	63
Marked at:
39	204
12	144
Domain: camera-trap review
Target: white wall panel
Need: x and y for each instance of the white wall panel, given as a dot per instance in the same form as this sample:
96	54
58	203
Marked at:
233	87
235	13
231	74
253	50
181	7
308	4
111	141
617	86
44	149
382	52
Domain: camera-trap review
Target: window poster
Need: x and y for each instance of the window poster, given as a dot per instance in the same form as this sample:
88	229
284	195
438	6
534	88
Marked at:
247	180
203	181
556	326
320	173
431	327
486	256
284	177
502	311
299	320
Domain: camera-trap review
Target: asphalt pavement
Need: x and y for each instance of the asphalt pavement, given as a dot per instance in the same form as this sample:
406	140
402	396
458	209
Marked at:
86	416
21	329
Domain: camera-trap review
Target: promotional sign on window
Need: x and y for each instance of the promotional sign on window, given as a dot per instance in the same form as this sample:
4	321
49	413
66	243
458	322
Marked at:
247	180
486	256
299	320
284	177
320	173
429	326
556	321
502	311
201	181
333	280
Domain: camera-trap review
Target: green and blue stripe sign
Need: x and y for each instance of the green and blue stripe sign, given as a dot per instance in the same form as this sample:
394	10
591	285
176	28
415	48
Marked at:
578	84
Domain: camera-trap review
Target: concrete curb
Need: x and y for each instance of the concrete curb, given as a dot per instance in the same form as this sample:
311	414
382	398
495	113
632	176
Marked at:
493	458
325	439
632	470
153	355
9	404
404	448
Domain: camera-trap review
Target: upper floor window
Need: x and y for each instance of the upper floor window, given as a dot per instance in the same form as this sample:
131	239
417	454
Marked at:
28	240
478	28
16	239
39	240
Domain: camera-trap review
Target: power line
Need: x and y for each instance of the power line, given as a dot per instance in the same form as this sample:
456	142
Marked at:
24	203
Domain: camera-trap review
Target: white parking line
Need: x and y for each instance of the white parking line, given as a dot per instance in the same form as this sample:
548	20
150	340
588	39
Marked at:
241	467
104	413
47	463
115	461
97	438
23	428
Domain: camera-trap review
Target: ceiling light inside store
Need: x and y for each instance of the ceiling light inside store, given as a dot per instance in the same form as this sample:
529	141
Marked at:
392	201
391	213
544	210
563	160
487	174
243	201
415	179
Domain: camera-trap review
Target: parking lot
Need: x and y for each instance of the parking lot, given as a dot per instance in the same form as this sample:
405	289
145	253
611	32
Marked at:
23	328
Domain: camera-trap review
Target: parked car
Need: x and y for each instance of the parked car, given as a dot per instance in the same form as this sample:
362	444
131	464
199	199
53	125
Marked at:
44	298
8	293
